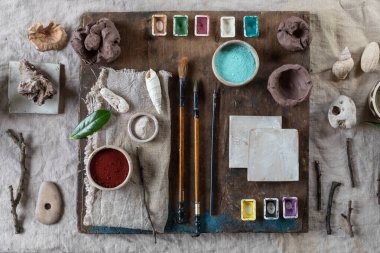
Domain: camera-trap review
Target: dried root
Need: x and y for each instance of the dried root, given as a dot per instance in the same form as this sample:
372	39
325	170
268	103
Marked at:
34	85
18	139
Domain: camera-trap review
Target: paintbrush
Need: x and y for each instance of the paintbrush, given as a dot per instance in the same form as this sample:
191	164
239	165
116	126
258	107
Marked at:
182	72
213	144
197	204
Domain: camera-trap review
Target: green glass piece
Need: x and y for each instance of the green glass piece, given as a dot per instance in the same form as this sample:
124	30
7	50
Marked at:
180	25
251	26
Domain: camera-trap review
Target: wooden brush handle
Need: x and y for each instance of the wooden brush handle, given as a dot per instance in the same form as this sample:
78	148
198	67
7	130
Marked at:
181	186
196	159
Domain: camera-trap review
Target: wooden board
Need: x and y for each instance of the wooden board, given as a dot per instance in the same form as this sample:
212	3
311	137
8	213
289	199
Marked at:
141	51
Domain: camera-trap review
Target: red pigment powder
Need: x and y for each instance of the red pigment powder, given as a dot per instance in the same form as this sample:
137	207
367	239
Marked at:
202	25
109	168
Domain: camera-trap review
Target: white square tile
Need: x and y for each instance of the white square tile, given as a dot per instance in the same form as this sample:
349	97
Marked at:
240	127
273	155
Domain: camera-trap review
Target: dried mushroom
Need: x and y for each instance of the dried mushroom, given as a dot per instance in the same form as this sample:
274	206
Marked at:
52	37
97	42
34	85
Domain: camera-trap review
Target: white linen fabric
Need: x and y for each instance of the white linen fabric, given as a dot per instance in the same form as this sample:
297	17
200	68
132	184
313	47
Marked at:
126	207
52	156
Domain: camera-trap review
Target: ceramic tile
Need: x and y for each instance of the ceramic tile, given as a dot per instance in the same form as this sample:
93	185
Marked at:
273	155
240	127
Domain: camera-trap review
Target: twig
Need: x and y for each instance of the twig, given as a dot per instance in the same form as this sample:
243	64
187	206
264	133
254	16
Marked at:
378	187
318	174
18	139
146	205
334	185
348	218
350	161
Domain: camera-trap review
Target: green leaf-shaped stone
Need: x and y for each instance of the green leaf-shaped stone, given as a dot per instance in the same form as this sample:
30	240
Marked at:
91	124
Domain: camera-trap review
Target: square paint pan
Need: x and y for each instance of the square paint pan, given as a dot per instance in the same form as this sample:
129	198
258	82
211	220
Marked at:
159	25
202	25
290	207
227	27
271	209
180	25
248	209
251	26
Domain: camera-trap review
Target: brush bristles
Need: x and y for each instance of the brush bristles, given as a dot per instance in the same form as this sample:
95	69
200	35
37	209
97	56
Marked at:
182	67
195	86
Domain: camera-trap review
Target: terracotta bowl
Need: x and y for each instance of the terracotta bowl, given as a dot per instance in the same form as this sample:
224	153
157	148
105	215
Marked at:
88	170
289	84
227	44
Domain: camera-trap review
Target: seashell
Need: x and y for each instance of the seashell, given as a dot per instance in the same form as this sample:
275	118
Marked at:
344	65
117	102
342	113
52	37
370	57
154	89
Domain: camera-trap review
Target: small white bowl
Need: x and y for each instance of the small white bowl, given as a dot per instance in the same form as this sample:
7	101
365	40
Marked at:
88	171
372	100
132	120
253	52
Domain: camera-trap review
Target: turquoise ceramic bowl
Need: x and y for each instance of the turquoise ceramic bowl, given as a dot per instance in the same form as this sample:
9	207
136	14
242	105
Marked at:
235	63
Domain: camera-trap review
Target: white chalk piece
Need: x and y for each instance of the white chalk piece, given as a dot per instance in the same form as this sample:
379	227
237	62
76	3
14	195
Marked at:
49	204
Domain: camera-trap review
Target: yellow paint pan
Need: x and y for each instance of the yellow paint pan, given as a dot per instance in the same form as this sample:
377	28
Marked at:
248	209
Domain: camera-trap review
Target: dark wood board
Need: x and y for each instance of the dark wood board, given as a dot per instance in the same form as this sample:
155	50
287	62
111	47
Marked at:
141	51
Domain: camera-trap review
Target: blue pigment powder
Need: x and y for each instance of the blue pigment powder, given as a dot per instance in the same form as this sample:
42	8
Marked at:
235	63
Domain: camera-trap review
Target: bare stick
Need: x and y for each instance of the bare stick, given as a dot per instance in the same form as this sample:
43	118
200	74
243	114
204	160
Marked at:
350	161
146	205
18	139
348	218
378	187
334	185
318	174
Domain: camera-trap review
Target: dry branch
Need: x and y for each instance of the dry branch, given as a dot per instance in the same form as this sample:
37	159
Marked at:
334	185
18	139
378	187
143	185
348	218
350	161
318	174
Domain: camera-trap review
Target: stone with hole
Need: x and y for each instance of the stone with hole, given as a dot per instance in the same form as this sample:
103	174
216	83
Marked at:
342	113
49	204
